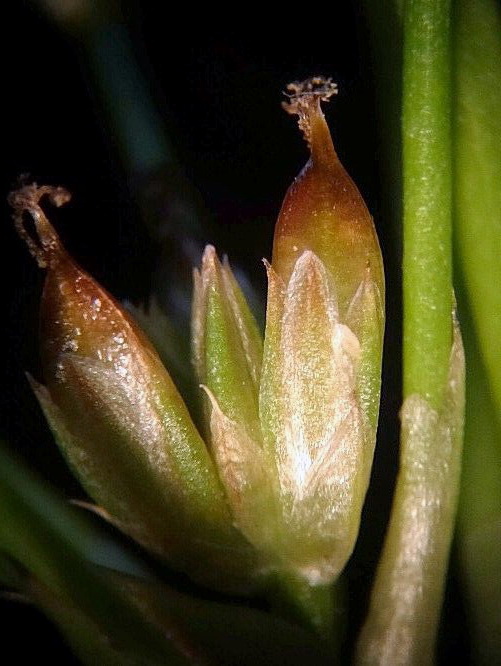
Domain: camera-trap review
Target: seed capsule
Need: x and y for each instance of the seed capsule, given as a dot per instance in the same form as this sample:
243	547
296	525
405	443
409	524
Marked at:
297	481
321	373
323	211
120	421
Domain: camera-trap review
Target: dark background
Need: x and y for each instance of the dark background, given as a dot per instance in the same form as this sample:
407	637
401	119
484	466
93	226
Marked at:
217	81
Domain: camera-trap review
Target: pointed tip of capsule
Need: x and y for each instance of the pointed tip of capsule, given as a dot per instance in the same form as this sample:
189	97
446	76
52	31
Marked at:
76	314
46	247
323	210
304	100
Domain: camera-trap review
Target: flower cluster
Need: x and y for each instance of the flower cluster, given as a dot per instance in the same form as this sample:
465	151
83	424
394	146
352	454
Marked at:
275	479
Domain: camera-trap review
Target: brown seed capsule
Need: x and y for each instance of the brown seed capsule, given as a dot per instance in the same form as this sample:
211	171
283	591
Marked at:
296	480
321	374
323	211
119	419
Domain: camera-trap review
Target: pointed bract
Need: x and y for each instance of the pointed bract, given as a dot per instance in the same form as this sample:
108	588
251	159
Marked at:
249	478
227	345
316	430
365	317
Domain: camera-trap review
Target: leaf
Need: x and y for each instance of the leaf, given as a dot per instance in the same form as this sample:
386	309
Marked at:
44	535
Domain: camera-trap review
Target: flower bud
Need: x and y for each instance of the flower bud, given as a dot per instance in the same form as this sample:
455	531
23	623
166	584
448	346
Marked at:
227	344
321	372
296	481
120	421
227	354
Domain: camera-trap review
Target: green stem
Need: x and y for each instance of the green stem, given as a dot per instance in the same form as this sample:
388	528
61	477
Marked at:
406	598
407	595
427	263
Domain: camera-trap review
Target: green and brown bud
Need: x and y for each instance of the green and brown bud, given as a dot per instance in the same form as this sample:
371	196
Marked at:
296	468
120	421
322	358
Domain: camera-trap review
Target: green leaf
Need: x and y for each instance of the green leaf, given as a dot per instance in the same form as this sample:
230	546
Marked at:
479	515
44	536
477	67
477	115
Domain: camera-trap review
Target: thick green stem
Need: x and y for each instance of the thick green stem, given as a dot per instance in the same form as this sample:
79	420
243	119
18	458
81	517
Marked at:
407	595
427	264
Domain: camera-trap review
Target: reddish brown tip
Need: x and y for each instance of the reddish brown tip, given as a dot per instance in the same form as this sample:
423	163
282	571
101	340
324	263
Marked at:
304	100
323	211
47	246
